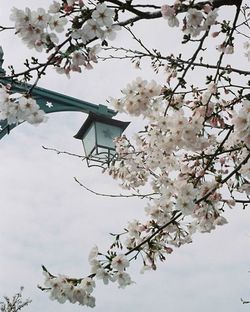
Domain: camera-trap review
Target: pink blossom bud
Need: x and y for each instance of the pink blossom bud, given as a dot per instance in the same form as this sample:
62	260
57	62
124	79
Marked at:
207	8
214	121
222	161
230	202
215	34
221	122
168	250
201	173
67	8
216	196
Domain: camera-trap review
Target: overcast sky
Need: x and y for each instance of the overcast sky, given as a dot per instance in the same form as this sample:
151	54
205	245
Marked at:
46	218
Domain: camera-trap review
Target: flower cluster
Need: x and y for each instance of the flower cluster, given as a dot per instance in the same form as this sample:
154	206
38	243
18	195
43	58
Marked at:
169	13
137	97
99	26
16	109
241	122
38	28
195	20
112	270
169	156
63	288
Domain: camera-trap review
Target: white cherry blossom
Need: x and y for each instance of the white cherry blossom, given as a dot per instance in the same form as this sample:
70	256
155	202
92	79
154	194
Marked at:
54	7
211	18
169	14
103	15
88	285
104	275
57	23
40	18
194	17
120	263
123	279
92	29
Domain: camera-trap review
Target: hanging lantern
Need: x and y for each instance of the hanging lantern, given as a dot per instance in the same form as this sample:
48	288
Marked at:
97	134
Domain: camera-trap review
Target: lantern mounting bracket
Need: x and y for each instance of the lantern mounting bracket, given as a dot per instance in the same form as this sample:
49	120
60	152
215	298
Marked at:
98	131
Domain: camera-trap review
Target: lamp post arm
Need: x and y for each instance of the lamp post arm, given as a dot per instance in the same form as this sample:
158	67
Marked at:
52	102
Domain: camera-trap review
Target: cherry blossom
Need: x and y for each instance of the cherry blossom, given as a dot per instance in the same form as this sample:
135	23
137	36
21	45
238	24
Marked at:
123	279
194	17
103	15
170	15
211	18
18	109
57	23
54	7
241	123
120	263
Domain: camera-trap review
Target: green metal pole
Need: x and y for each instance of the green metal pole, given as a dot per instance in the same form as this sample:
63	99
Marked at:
50	101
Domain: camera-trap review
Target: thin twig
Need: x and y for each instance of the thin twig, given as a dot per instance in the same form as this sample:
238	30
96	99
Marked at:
142	196
63	152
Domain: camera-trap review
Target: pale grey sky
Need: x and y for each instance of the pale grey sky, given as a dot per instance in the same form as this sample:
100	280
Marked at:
46	218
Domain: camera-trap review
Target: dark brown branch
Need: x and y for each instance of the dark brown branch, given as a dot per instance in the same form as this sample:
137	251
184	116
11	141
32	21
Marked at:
230	36
2	28
199	48
242	201
50	62
140	15
219	3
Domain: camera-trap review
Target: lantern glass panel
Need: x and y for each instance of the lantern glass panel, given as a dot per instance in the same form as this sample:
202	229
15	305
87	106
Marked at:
105	153
89	140
105	134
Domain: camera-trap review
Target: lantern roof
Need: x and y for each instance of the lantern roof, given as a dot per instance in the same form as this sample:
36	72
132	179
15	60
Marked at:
92	117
